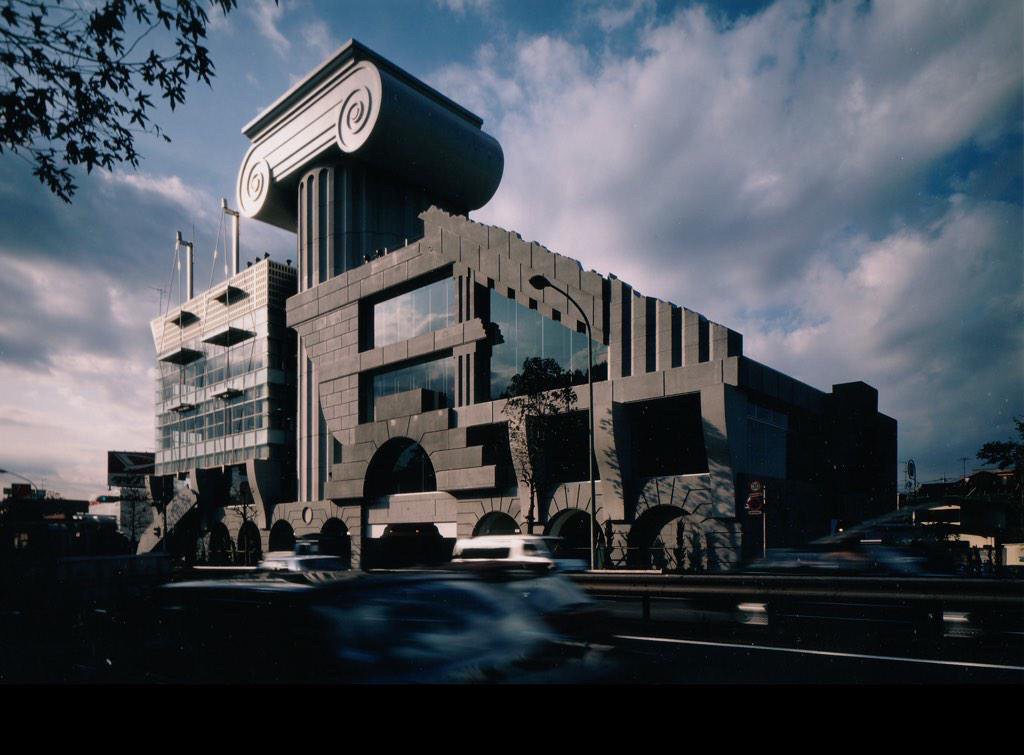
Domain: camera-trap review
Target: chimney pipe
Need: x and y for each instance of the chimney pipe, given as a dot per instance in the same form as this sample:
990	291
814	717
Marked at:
178	243
234	234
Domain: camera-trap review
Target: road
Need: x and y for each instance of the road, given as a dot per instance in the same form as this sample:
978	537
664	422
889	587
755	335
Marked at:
684	644
681	642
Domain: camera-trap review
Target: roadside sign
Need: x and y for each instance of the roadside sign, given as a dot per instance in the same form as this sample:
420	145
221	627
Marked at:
755	500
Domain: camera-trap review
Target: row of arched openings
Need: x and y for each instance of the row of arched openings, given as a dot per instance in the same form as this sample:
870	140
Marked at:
333	539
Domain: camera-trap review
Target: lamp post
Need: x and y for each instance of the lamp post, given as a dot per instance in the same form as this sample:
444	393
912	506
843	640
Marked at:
15	474
540	282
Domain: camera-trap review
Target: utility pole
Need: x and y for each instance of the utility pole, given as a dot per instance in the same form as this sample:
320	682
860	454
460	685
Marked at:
964	460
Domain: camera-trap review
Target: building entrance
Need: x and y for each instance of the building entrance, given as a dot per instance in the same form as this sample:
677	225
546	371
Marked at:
404	546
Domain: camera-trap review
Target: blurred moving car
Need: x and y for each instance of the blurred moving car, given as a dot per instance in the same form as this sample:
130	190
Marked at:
301	562
856	557
435	628
504	551
564	606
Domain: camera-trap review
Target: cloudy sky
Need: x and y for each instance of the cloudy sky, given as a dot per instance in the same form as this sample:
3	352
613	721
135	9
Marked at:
842	183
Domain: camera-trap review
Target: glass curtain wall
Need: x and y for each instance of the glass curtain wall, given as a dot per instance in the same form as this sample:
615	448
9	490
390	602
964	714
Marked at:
434	375
525	333
414	313
766	441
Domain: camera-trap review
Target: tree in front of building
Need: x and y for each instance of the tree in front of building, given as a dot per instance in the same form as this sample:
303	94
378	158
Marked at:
542	391
1006	453
136	510
243	504
1009	454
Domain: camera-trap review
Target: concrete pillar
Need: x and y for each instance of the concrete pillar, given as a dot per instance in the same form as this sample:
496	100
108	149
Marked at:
620	350
696	347
639	334
725	342
713	406
669	338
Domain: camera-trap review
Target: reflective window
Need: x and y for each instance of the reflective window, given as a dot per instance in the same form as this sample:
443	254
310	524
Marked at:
667	436
436	375
766	441
400	466
524	333
414	313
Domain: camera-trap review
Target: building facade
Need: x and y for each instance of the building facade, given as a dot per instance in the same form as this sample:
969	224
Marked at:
412	320
225	408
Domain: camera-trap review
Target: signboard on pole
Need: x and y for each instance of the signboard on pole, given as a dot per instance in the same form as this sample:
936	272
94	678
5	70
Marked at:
755	499
128	469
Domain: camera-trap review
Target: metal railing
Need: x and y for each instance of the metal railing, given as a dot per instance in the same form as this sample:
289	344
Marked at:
931	595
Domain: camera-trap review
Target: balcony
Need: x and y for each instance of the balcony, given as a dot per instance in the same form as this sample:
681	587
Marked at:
228	393
228	293
180	355
228	336
184	318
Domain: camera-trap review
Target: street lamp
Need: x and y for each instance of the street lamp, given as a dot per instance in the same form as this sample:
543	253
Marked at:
541	282
15	474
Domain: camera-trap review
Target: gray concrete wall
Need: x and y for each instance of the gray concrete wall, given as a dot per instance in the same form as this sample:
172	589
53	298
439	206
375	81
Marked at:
688	353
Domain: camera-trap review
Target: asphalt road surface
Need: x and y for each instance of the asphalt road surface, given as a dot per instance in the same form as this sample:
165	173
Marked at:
684	644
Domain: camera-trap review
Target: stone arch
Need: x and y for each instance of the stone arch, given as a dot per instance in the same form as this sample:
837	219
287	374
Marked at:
220	550
401	465
667	537
250	547
572	526
496	523
282	536
336	540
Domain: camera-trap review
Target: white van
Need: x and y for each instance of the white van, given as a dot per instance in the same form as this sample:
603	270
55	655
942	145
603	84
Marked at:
503	550
526	551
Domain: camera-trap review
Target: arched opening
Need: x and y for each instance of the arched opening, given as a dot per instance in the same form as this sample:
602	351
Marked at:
335	540
496	523
399	466
572	527
282	536
250	548
661	539
413	544
221	547
184	538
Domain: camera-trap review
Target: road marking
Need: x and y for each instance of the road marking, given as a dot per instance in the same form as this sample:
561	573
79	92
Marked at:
831	653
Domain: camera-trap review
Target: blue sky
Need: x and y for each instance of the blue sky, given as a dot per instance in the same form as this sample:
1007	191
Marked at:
840	182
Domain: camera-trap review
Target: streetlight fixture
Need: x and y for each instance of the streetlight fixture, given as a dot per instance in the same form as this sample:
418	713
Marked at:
540	282
15	474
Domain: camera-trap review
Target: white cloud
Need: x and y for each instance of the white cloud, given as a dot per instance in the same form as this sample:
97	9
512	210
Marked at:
189	197
266	15
461	7
76	371
776	170
316	36
615	16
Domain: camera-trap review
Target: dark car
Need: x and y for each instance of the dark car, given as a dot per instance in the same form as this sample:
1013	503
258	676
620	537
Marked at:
360	628
842	558
562	604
